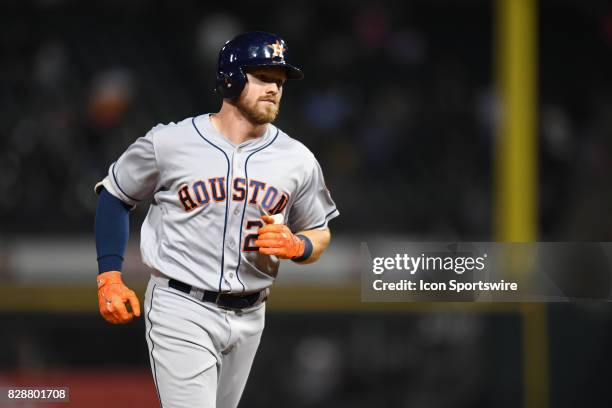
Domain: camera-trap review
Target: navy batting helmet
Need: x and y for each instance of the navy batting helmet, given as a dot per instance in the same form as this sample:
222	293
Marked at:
253	49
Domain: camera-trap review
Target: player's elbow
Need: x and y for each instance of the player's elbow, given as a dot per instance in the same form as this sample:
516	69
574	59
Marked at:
325	237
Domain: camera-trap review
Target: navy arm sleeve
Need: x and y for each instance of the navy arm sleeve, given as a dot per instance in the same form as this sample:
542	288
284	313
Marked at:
112	231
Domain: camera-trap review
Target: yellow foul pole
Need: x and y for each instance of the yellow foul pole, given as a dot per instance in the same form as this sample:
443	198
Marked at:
516	176
515	152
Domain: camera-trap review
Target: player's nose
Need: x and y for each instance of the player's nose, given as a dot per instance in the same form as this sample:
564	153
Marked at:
272	89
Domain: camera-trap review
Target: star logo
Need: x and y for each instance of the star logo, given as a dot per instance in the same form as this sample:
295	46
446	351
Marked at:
278	49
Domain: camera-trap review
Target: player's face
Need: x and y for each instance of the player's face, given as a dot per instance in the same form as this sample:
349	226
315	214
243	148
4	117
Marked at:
260	99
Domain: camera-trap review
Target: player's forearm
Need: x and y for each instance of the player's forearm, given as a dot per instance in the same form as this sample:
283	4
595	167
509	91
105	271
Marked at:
320	241
112	230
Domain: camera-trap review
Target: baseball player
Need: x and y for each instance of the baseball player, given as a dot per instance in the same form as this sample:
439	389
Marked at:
232	196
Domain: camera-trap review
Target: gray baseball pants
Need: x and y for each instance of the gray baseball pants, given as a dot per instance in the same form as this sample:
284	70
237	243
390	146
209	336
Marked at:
200	354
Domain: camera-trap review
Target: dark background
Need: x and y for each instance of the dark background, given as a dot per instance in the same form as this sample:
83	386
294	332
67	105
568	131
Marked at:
399	106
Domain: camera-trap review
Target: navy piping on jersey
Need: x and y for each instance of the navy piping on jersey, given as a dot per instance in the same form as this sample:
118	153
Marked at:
226	201
246	195
117	183
327	216
153	345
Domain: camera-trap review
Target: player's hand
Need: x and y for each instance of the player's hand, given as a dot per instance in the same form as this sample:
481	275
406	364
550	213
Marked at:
112	297
277	239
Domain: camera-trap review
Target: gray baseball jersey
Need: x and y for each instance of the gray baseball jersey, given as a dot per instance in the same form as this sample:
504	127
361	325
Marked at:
209	196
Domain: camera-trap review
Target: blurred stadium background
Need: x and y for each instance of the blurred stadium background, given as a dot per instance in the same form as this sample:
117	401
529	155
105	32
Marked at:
401	104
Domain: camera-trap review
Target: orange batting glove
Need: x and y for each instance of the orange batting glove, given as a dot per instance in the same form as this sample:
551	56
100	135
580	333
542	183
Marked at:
277	239
112	296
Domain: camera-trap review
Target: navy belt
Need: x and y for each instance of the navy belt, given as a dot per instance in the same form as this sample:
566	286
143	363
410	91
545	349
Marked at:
223	300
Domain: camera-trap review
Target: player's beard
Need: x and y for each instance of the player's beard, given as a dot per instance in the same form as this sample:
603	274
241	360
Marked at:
257	112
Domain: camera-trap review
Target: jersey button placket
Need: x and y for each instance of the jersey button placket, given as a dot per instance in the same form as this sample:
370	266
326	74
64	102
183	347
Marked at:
238	163
232	224
235	216
237	173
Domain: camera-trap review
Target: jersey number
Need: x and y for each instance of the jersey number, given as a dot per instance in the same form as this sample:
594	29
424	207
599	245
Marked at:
249	240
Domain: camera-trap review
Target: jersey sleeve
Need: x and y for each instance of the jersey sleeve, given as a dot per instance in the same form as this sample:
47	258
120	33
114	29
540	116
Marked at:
135	175
313	207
